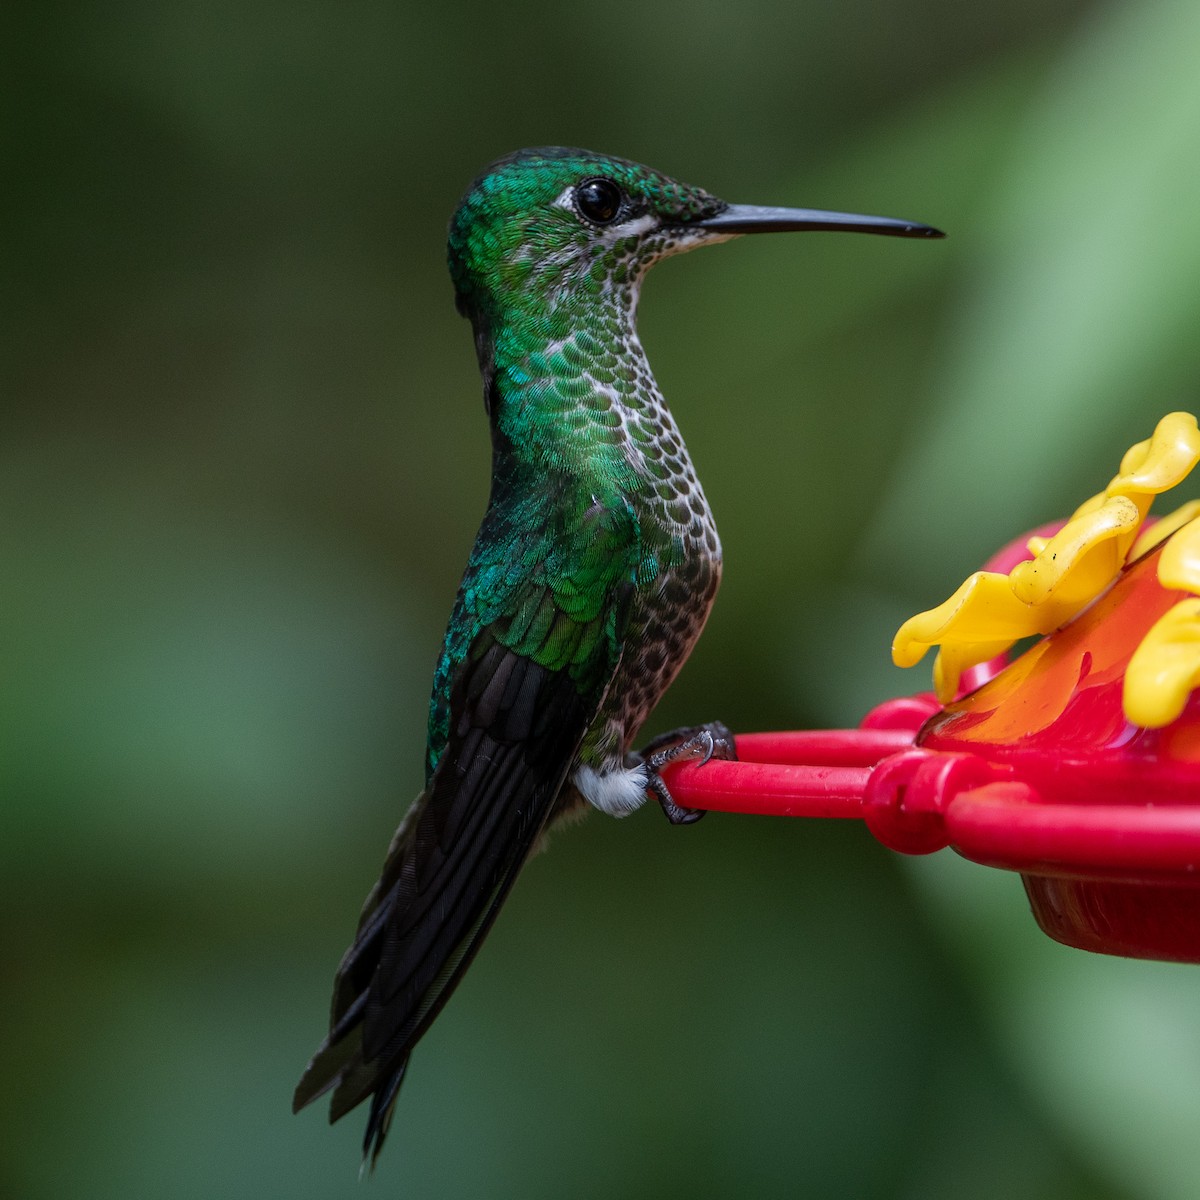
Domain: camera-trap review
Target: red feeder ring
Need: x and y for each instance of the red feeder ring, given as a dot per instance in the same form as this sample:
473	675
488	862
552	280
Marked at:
1037	771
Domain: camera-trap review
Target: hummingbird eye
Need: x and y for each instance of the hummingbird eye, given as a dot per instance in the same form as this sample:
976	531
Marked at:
599	200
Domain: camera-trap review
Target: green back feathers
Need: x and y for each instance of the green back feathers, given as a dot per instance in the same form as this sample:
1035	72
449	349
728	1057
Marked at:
549	578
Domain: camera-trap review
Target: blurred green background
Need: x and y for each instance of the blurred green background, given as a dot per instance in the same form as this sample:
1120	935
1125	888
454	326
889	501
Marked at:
243	457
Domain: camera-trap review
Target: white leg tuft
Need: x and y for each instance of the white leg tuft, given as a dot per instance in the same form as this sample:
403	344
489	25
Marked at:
617	792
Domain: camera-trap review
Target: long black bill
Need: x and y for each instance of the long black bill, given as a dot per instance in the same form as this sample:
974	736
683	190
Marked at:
750	218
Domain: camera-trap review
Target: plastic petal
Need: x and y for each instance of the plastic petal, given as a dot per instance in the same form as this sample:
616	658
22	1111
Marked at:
1164	668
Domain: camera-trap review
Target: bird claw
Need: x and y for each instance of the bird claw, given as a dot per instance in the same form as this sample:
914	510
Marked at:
694	744
675	813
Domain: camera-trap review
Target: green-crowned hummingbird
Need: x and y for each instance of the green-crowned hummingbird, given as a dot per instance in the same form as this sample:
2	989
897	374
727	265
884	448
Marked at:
590	579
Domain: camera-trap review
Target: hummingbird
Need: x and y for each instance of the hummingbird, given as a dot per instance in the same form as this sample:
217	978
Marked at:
590	579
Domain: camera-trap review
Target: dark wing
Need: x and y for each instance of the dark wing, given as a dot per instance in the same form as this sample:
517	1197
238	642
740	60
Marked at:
522	696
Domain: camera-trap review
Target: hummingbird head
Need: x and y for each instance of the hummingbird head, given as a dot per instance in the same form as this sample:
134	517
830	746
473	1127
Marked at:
551	224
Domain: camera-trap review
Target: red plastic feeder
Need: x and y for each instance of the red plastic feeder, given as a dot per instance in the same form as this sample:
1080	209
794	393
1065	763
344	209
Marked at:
1037	771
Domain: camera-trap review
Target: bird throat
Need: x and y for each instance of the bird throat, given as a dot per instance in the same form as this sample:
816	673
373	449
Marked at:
571	388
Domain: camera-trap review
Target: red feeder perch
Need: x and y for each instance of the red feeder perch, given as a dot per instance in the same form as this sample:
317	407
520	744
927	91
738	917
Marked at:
1038	771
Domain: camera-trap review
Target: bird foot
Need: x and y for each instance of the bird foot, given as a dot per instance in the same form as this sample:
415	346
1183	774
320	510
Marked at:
684	745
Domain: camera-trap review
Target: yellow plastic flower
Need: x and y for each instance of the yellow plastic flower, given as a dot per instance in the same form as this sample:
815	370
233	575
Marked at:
1166	665
991	611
